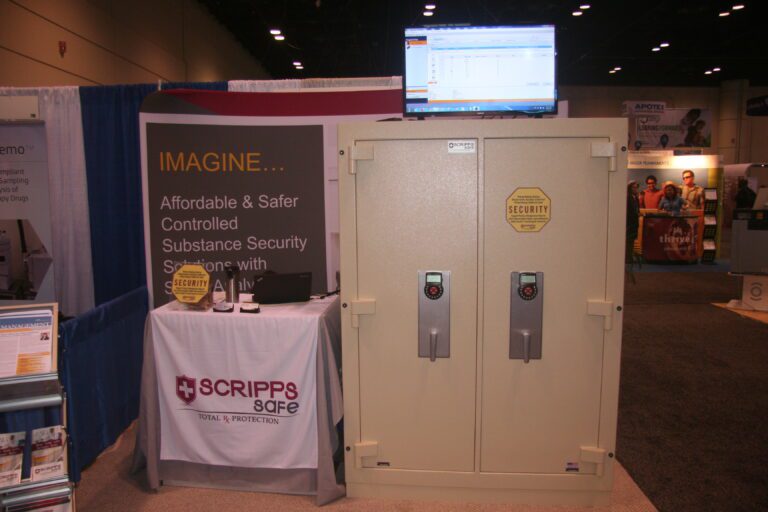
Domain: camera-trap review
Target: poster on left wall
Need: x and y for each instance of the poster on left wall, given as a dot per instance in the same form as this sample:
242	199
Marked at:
26	261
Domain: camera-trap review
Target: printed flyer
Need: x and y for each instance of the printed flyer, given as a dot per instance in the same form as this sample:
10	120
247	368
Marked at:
48	453
11	457
26	342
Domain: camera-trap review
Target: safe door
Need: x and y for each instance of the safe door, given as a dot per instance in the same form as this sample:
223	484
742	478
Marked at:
417	210
545	205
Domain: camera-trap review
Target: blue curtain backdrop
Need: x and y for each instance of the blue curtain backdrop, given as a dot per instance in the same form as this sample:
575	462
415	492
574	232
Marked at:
101	354
113	169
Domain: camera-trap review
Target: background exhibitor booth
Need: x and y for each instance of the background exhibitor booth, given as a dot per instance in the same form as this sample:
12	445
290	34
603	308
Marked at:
691	235
26	261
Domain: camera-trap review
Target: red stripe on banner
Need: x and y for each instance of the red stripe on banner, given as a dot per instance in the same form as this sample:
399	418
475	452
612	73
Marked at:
386	101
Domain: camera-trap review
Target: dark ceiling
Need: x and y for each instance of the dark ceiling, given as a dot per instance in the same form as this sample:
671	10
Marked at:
354	38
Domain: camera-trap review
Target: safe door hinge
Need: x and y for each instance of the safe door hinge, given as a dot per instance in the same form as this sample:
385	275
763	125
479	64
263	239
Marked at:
602	308
365	449
605	150
359	152
361	307
594	455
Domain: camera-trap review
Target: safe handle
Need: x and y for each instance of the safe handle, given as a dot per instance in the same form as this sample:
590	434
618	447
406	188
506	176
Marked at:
526	346
433	345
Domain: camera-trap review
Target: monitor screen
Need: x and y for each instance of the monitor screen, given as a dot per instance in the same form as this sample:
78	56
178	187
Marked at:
480	70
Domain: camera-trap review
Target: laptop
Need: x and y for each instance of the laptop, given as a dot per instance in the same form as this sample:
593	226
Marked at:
281	288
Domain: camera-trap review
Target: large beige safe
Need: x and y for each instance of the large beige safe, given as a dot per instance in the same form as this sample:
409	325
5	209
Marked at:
482	286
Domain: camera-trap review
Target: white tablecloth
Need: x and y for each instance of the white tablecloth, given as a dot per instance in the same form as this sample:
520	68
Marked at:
273	339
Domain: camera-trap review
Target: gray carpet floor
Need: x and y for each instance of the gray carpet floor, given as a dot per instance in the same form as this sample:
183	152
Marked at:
693	406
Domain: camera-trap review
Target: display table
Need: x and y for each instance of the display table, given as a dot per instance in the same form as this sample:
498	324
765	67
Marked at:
242	401
672	237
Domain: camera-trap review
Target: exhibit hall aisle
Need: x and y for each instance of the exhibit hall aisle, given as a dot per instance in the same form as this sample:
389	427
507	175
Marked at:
694	393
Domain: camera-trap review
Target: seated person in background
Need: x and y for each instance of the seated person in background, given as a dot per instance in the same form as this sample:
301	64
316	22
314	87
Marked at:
671	202
693	195
650	197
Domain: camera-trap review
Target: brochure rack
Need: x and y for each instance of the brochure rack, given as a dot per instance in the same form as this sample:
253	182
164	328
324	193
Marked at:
710	225
35	391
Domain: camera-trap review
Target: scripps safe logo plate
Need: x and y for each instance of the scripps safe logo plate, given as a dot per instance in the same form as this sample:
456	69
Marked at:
462	146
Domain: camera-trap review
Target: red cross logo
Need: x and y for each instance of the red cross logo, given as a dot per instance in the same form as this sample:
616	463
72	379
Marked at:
185	389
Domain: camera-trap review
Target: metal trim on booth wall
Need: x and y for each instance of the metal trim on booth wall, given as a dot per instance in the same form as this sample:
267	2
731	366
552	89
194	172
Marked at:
58	494
30	391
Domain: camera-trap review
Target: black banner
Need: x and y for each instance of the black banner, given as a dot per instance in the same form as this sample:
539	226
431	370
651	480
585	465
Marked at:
224	194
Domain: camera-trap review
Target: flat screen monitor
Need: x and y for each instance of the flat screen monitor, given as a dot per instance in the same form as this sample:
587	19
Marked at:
463	70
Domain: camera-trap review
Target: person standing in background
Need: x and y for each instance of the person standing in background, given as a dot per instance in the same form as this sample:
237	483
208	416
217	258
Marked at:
650	197
633	219
693	195
745	196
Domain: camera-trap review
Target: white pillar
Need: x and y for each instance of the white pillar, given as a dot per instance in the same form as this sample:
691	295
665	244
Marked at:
732	139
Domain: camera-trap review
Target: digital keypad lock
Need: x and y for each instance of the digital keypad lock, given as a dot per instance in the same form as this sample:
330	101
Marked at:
433	286
527	288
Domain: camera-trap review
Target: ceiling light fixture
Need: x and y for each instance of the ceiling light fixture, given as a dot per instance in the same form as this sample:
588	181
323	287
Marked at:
299	67
737	7
279	38
430	7
577	13
708	72
724	14
428	13
617	68
655	49
275	31
613	71
715	69
584	7
297	63
664	44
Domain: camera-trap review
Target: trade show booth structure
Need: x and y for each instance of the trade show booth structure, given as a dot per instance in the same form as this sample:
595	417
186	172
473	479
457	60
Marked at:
749	242
692	234
480	362
94	156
